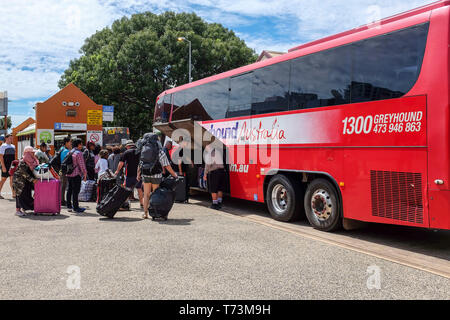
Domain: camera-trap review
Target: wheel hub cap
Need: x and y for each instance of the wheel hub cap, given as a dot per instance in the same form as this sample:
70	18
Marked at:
321	204
280	198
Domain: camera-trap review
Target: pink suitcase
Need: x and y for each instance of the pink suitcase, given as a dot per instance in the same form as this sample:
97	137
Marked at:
47	197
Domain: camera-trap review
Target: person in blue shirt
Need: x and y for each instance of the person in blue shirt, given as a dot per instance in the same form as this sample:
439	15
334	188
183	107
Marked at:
65	149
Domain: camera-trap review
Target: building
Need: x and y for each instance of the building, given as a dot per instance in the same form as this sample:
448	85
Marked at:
68	112
268	54
24	135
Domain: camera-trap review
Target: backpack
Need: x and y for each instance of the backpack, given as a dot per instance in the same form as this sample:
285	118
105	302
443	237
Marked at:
67	164
55	163
149	150
90	160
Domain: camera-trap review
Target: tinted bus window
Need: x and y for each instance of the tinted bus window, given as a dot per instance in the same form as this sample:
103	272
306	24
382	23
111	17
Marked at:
240	102
321	79
271	89
387	66
214	97
161	112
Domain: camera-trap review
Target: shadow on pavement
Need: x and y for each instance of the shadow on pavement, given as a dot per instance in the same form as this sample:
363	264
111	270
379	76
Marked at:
433	243
120	219
175	222
45	218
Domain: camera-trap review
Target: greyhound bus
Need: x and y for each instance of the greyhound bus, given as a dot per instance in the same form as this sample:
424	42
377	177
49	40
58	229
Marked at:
359	123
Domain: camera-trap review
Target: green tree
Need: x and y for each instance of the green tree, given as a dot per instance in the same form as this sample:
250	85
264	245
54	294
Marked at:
130	63
2	123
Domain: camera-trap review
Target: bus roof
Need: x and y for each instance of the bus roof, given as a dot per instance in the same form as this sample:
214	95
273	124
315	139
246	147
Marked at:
416	16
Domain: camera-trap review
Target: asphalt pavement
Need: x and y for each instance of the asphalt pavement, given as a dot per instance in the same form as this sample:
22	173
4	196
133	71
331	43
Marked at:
198	253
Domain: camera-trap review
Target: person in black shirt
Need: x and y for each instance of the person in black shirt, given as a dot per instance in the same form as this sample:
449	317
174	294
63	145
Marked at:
130	161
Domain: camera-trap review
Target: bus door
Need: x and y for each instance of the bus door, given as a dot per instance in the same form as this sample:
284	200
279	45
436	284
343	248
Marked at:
242	155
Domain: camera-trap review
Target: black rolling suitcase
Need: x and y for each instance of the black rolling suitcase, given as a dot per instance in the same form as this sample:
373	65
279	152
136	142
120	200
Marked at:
162	199
180	190
112	202
104	186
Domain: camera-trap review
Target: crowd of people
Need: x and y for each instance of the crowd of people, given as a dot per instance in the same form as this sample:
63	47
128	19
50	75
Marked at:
92	162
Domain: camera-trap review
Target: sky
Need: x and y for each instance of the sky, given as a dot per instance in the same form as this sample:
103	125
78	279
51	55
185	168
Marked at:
38	38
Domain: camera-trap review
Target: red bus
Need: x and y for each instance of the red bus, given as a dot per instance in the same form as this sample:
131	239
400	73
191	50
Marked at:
360	121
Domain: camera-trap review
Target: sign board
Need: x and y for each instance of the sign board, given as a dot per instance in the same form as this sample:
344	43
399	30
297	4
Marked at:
95	117
3	103
108	113
70	126
45	135
95	136
115	135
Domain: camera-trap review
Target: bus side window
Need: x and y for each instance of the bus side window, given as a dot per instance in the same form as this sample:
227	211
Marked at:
240	103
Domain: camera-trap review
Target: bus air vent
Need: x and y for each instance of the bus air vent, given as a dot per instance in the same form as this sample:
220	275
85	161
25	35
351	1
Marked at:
397	195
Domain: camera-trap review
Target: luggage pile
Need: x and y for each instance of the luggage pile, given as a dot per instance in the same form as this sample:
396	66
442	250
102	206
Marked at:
88	191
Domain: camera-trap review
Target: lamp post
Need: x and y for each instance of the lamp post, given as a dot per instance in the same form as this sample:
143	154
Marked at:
180	39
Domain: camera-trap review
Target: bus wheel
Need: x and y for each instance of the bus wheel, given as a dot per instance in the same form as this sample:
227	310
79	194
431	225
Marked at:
281	198
322	206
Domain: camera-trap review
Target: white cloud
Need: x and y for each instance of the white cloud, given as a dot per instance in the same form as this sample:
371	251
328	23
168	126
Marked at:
40	37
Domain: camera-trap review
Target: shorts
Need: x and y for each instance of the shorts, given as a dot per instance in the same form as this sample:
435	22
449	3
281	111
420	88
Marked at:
132	182
149	179
216	181
5	174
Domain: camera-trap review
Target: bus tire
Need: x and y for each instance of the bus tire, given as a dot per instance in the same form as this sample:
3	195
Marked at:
322	206
282	199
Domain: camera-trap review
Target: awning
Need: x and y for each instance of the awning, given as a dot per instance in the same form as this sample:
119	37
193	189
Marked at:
188	124
31	129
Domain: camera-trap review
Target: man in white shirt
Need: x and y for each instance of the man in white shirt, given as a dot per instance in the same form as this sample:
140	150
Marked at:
7	156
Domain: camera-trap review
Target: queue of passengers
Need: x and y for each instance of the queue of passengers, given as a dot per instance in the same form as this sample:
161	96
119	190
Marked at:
91	163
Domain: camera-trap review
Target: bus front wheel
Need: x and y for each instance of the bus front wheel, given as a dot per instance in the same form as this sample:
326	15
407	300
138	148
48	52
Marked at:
322	205
282	199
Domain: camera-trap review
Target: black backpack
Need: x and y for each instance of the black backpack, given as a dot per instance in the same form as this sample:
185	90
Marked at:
149	150
55	163
67	164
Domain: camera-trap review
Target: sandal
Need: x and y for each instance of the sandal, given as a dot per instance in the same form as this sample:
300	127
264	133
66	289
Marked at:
145	216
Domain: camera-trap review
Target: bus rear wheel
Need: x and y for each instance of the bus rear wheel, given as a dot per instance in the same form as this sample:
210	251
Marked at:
282	199
322	206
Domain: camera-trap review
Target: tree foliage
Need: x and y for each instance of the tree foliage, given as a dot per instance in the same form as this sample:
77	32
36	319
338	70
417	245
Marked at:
2	123
130	63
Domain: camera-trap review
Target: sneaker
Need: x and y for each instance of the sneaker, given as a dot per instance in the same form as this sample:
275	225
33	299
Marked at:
215	206
20	213
1	197
80	210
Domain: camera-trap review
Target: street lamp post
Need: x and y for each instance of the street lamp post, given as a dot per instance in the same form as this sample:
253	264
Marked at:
190	50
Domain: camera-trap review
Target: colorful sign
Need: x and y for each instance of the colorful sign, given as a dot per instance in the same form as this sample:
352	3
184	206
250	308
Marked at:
95	117
108	113
70	126
115	135
46	136
95	136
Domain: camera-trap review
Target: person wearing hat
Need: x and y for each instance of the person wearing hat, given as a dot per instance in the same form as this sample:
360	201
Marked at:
23	181
41	154
7	156
130	161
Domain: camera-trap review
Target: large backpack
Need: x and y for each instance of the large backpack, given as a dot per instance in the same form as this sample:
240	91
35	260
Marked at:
149	150
67	164
55	163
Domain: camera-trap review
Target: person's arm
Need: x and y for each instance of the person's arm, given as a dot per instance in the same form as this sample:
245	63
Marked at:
139	173
2	161
82	164
169	168
119	167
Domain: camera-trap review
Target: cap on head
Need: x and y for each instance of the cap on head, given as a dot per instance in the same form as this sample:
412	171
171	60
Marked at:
2	138
130	143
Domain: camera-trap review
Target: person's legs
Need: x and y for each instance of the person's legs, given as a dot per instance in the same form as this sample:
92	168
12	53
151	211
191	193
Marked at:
147	192
76	187
63	189
2	182
69	193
